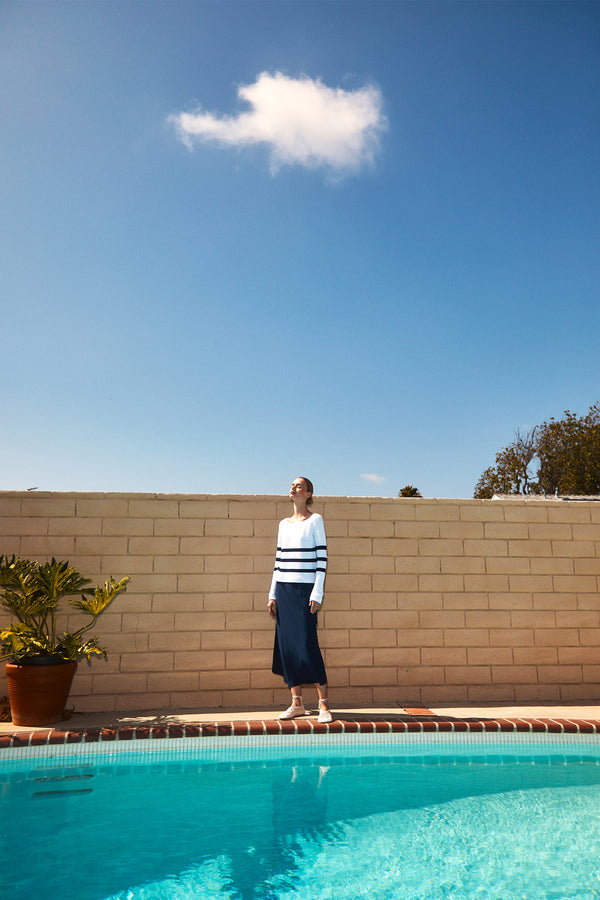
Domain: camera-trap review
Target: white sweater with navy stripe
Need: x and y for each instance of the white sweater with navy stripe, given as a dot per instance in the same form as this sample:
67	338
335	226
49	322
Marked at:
301	555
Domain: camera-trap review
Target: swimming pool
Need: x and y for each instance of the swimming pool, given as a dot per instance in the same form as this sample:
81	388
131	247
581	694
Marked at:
342	816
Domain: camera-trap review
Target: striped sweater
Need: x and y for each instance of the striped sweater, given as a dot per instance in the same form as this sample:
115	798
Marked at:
301	555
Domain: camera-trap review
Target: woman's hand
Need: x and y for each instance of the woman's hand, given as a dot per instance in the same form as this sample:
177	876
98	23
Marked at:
314	606
272	607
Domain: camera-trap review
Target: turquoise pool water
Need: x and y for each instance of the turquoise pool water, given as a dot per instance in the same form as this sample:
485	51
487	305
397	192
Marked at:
303	819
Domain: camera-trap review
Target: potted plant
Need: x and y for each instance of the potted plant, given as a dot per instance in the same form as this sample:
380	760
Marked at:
42	660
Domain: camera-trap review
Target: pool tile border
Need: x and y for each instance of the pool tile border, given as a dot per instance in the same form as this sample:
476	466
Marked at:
416	721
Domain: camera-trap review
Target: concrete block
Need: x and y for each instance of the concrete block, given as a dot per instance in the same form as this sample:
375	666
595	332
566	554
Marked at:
200	621
490	656
468	675
199	660
526	513
228	528
417	565
441	583
373	675
514	674
466	637
572	549
350	656
463	565
398	582
44	548
535	656
146	662
369	529
371	565
422	675
155	508
381	600
487	618
554	601
511	637
202	583
399	618
229	601
508	565
548	531
332	637
122	526
443	547
568	584
108	507
177	564
400	657
461	530
506	531
421	637
9	505
533	618
442	656
238	679
587	566
533	583
487	583
551	566
373	637
486	512
439	511
247	621
168	641
442	619
557	637
560	674
530	548
93	545
173	681
255	509
463	600
416	530
569	514
51	506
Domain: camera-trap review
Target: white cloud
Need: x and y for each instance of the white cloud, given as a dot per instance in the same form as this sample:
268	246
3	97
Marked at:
376	479
301	120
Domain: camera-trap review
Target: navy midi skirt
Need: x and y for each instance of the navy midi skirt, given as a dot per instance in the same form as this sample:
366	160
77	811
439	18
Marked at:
296	654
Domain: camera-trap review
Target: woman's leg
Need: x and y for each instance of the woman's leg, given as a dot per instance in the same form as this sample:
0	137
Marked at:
297	706
322	692
324	712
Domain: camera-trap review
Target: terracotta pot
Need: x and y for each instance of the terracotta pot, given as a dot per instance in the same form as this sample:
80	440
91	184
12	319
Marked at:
38	692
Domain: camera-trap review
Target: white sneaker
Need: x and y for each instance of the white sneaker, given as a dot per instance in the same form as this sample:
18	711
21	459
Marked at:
324	712
296	709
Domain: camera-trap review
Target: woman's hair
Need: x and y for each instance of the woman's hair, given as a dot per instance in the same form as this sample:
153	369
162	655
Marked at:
309	487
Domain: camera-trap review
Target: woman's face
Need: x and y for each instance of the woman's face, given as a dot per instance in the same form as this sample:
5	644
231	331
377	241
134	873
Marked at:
298	490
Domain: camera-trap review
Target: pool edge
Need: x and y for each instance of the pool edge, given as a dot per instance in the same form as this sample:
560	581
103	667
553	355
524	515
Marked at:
416	721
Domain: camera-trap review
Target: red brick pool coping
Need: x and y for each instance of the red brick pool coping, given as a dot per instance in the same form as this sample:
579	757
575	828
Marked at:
414	721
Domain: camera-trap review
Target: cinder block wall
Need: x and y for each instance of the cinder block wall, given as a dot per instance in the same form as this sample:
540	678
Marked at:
426	601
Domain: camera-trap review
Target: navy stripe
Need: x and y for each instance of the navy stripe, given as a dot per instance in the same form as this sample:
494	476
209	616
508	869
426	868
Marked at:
302	549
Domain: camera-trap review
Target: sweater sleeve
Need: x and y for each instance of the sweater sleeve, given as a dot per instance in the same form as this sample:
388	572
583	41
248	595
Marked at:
321	548
274	579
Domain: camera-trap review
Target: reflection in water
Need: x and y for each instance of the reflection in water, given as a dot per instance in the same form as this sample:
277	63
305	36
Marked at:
298	814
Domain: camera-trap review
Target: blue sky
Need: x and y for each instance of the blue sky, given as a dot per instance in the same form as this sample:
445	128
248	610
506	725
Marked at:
246	241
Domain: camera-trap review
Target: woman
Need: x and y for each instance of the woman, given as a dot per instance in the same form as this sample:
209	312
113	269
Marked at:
295	598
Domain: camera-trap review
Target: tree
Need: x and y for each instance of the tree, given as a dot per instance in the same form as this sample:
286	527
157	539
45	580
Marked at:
556	457
569	452
512	473
409	491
